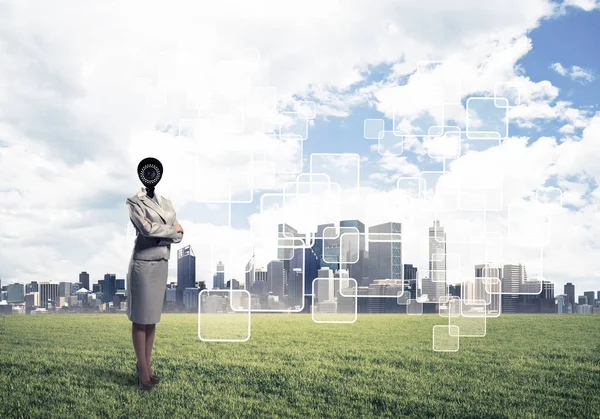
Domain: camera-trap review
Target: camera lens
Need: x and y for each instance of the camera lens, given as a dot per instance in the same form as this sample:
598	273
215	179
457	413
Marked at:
150	173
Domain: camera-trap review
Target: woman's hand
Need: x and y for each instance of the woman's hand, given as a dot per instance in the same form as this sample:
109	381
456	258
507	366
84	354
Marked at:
177	226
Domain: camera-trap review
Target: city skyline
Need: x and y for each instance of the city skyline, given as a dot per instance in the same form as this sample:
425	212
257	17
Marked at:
508	292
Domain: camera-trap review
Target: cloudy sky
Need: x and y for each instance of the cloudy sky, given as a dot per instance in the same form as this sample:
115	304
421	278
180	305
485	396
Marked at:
481	114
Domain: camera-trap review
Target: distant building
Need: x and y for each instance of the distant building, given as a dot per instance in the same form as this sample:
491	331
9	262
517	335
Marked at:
275	278
590	297
570	292
584	309
219	277
410	272
190	298
512	278
233	284
64	289
186	271
84	278
435	286
15	293
48	293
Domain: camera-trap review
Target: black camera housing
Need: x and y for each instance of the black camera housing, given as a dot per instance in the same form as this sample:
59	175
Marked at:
150	171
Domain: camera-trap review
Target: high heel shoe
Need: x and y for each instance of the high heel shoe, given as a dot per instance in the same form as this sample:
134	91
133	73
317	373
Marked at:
154	379
141	384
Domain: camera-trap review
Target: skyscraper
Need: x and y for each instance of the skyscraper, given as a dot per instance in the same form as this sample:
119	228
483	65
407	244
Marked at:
48	292
186	271
109	288
325	289
353	246
249	274
327	246
295	291
548	290
486	288
219	277
385	253
15	293
512	279
410	272
570	292
275	278
84	278
64	289
260	286
564	306
435	286
590	297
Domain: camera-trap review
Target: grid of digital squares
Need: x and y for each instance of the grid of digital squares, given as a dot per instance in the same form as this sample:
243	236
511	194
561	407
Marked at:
234	325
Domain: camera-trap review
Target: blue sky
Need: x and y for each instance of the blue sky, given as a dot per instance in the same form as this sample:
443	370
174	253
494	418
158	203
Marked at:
568	39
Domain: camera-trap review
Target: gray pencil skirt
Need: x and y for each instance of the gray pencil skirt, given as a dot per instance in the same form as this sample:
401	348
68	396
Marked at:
146	284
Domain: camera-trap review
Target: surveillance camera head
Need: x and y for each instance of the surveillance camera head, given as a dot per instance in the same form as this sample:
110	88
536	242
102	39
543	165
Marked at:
150	171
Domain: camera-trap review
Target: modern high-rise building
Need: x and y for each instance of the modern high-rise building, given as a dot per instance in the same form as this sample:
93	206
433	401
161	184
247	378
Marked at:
249	273
590	297
410	272
548	290
325	289
582	300
275	278
84	278
190	298
564	306
513	277
219	276
15	293
435	285
308	261
570	292
485	286
260	286
48	292
327	246
233	284
186	271
352	242
64	289
385	253
295	292
109	288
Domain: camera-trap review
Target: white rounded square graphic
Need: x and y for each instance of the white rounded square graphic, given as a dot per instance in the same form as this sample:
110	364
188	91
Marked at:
217	322
485	119
373	129
330	305
445	338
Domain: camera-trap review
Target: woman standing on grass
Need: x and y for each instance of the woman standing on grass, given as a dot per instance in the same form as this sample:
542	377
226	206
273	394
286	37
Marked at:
156	228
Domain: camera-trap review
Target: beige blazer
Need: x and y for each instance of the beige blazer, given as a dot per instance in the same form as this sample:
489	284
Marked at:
153	238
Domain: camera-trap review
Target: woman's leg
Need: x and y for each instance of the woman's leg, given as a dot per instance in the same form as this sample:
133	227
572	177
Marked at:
138	335
150	329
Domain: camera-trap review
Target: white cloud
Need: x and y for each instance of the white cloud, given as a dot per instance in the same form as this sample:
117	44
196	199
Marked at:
559	69
576	73
586	5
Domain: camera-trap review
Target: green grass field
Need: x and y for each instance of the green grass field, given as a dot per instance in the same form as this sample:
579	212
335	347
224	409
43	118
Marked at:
83	365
